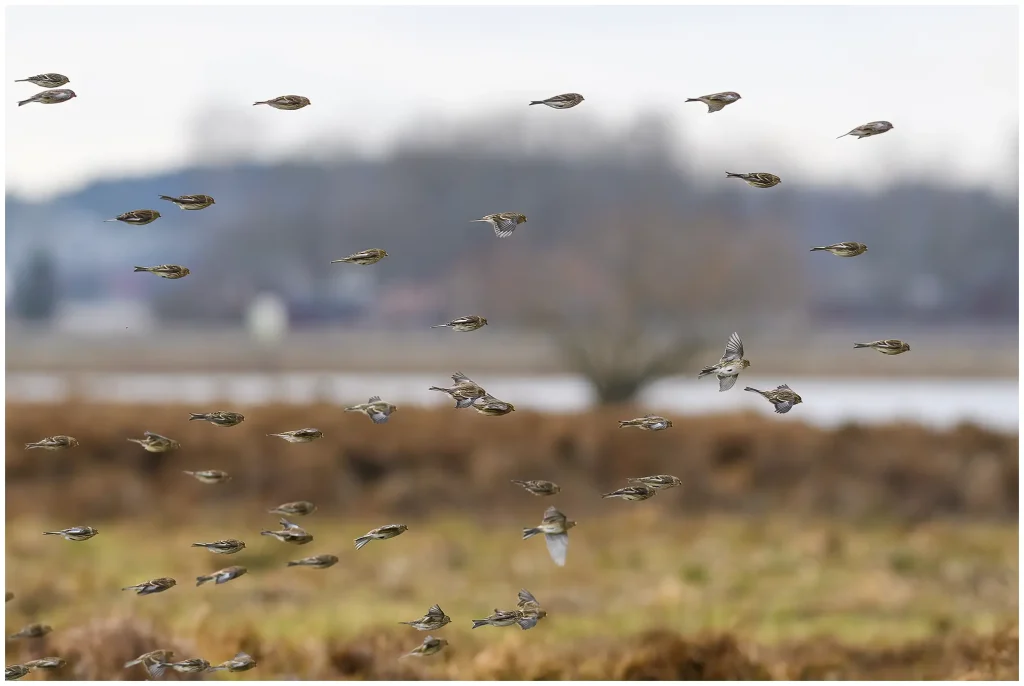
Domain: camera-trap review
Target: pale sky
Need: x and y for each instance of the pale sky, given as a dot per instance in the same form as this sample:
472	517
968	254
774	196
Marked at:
946	77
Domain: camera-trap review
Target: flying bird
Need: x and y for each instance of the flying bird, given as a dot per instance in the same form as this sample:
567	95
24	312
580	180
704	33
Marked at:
381	533
371	256
222	576
526	600
155	443
658	481
15	672
464	392
161	655
210	476
468	323
555	528
32	631
316	562
191	666
241	662
299	508
649	422
286	102
846	249
891	346
75	533
219	418
154	586
561	102
136	217
432	621
504	223
53	443
191	202
290	533
870	129
46	663
729	367
430	646
783	398
492	407
717	101
228	546
50	97
300	435
167	271
526	619
50	80
641	492
539	487
757	179
376	409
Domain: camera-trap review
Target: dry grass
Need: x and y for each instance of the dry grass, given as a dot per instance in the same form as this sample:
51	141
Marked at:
789	553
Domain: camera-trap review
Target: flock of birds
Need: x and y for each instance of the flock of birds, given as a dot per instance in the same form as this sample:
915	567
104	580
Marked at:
465	392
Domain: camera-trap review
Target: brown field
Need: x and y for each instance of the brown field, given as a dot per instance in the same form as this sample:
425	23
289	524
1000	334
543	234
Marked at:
789	553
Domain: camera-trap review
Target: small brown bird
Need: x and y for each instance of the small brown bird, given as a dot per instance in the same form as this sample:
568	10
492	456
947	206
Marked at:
717	101
136	217
463	324
783	398
154	586
464	392
75	533
316	562
649	422
219	418
430	646
492	407
210	476
526	619
286	102
846	249
191	666
729	367
152	656
561	102
191	202
539	487
290	533
155	443
222	576
658	482
300	435
555	528
371	256
50	97
890	346
873	128
228	546
241	662
54	443
299	508
432	621
46	663
526	600
756	179
32	631
641	492
376	409
167	271
50	80
504	223
15	672
381	533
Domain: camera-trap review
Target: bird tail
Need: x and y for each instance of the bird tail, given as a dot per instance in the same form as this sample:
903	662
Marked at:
435	388
51	533
352	409
266	533
441	326
198	545
704	372
200	580
820	248
692	100
479	220
517	482
156	669
132	663
293	563
363	540
527	533
861	345
29	446
730	175
261	102
24	102
537	102
843	136
168	197
748	388
477	623
623	423
141	269
215	669
194	415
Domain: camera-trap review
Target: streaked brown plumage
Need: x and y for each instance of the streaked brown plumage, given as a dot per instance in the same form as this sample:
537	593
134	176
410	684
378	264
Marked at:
757	179
155	443
48	80
74	533
376	409
504	223
430	646
153	586
191	666
190	202
364	257
228	546
15	672
845	249
658	481
46	663
316	561
639	492
649	422
381	533
210	476
538	487
167	271
561	102
222	576
50	97
290	533
299	508
555	528
241	662
161	655
219	418
890	346
300	435
873	128
783	398
54	443
470	322
432	621
32	631
286	102
136	217
716	101
491	406
464	392
729	367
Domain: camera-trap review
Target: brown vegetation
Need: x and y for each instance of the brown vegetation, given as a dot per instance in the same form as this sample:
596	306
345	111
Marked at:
734	463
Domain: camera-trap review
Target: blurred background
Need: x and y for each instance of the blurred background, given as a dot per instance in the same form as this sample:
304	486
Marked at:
879	515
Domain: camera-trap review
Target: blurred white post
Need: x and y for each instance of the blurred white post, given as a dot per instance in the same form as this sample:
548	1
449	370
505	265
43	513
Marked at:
267	322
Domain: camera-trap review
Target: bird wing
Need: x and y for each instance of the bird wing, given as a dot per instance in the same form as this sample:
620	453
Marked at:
526	597
435	611
528	622
377	417
783	387
727	382
504	226
733	348
558	547
784	407
553	513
